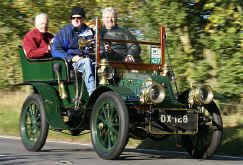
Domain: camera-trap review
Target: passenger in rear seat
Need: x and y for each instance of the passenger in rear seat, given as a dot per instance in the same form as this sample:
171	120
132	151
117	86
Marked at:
37	42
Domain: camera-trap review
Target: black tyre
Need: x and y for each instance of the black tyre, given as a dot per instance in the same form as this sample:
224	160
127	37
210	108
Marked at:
209	136
75	132
33	124
109	125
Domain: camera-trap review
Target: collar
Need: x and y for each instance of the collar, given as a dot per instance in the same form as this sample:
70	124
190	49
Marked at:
83	27
107	30
37	31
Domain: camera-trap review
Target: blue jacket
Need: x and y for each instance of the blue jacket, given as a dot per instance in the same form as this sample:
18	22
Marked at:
65	43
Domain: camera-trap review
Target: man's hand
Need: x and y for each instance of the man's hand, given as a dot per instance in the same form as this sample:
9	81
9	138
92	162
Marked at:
76	58
49	48
49	45
107	46
129	59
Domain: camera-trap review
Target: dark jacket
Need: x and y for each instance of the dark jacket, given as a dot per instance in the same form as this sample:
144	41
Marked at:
121	50
65	44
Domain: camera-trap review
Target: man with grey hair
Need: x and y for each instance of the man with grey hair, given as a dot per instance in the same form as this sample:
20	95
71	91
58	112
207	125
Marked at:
36	42
117	51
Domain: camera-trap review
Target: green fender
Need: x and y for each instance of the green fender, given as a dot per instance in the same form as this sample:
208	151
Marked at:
121	91
52	105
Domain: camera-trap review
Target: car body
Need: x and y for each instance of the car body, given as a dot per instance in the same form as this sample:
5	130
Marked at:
135	100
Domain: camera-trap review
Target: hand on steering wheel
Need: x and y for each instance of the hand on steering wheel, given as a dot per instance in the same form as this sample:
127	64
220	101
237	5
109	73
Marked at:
129	59
76	58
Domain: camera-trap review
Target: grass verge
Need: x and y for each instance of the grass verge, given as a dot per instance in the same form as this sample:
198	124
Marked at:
11	103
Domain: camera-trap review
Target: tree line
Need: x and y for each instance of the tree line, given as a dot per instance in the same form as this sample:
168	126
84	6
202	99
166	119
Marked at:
204	37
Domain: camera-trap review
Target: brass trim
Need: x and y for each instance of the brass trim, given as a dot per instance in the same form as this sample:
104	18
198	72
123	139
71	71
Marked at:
173	109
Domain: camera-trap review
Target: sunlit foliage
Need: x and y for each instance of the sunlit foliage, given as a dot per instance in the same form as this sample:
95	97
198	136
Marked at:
204	37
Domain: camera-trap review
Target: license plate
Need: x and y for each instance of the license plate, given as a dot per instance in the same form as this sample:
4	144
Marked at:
180	119
174	121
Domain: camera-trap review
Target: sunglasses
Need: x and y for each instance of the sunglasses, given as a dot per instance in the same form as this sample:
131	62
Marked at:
79	18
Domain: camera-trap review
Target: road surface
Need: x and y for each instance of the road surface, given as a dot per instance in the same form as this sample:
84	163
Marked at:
12	152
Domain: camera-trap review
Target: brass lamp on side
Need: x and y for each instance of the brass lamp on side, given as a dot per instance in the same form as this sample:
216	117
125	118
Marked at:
104	72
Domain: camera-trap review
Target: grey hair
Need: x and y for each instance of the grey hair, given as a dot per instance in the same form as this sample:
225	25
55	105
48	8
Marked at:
39	16
109	10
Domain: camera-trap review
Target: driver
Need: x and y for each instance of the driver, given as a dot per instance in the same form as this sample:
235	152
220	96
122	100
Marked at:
65	45
118	51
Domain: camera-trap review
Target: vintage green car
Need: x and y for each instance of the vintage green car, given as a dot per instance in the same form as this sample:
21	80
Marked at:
130	101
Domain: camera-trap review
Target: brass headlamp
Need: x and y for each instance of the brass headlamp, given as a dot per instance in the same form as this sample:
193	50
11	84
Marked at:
200	95
152	93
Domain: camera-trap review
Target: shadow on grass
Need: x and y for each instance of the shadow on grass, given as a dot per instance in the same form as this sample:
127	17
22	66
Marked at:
232	143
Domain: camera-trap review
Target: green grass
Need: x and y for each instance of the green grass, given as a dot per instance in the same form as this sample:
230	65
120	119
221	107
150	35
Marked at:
11	103
9	121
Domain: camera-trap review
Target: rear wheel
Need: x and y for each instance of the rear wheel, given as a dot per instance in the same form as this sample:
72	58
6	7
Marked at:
33	124
209	136
109	125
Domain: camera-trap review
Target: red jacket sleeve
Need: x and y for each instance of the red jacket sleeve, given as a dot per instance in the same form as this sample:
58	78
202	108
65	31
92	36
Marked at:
34	50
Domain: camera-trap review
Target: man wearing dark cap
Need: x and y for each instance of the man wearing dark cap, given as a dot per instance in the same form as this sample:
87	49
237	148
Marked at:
65	45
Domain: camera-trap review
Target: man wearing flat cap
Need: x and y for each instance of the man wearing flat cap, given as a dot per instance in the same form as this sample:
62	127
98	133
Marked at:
65	45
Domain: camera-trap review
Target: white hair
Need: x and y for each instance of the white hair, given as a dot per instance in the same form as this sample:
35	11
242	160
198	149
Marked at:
109	10
39	17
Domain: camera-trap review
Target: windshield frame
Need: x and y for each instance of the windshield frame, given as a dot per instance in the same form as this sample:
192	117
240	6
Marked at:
132	66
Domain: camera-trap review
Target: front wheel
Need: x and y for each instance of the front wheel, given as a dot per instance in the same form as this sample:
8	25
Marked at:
33	124
209	136
109	125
